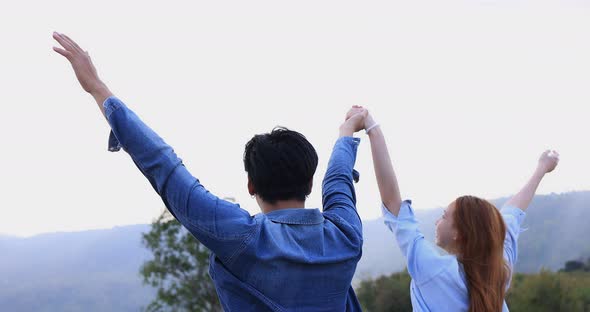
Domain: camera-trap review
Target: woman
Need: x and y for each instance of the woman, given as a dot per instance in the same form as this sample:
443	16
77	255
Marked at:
481	241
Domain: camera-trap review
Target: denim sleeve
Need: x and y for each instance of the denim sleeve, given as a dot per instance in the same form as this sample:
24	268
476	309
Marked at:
220	225
513	218
424	261
338	195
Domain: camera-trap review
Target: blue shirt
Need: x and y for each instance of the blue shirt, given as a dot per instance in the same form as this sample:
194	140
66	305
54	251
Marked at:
438	281
286	260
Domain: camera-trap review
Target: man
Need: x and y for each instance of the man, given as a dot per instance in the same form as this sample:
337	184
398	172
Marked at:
286	258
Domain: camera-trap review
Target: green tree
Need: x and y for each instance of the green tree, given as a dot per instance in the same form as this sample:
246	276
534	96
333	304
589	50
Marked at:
550	291
544	291
179	269
538	292
573	265
576	265
386	293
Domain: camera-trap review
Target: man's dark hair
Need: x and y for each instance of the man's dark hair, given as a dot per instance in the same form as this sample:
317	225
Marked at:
280	165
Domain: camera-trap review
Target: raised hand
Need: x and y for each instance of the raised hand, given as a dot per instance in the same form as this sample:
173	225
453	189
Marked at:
354	120
368	122
548	161
353	111
83	67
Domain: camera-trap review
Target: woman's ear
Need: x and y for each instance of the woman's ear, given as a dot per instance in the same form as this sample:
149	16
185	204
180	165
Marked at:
455	234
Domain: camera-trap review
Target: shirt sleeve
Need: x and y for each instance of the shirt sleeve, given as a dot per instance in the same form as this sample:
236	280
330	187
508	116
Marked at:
220	225
513	218
423	260
338	194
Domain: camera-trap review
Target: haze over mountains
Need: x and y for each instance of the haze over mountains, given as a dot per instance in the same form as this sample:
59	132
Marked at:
99	270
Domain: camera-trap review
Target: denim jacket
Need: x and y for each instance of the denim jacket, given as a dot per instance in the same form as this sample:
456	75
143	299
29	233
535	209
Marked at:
286	260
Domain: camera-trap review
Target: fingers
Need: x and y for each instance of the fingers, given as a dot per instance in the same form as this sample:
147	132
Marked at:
360	114
354	111
63	42
551	153
68	44
555	156
548	153
364	113
72	42
63	52
551	160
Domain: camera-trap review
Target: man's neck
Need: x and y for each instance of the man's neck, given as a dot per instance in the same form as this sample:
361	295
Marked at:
281	204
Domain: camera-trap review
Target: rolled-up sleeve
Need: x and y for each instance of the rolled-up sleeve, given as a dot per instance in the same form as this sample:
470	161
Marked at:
513	218
423	260
220	225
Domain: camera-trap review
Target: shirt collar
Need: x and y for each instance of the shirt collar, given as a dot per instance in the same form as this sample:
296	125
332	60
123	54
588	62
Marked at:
296	216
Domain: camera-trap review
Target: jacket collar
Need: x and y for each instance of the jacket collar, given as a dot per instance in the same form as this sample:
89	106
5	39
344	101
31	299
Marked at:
296	216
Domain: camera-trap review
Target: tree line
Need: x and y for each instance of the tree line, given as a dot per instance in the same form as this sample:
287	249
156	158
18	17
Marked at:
179	272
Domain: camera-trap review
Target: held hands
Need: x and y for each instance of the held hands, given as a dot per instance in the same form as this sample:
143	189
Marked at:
548	161
360	118
82	64
354	121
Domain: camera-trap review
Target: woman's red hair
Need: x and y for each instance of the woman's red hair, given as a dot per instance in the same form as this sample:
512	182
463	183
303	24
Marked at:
481	233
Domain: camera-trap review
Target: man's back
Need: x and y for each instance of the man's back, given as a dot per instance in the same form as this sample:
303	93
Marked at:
296	260
286	260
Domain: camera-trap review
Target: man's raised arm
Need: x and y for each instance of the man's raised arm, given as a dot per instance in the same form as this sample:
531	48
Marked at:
218	224
338	195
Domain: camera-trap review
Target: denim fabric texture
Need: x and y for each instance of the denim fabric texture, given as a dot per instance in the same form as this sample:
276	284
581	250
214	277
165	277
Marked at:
287	260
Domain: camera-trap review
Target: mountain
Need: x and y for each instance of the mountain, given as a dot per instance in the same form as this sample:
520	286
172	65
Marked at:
99	270
82	271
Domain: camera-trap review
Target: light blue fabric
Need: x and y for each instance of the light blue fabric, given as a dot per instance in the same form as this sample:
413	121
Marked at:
287	260
438	281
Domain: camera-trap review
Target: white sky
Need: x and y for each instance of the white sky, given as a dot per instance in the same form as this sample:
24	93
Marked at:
468	93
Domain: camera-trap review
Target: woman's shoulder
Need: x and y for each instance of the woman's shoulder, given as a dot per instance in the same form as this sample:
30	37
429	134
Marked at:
452	273
444	268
